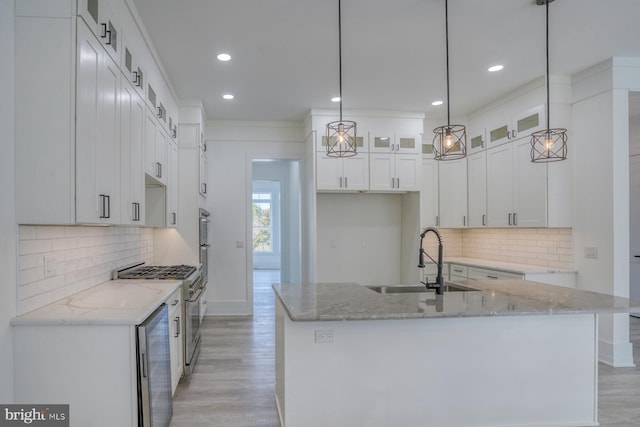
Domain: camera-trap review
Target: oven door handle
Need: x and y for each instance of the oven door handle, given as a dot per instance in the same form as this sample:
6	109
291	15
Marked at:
198	294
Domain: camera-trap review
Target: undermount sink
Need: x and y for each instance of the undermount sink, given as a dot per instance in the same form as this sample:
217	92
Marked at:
408	289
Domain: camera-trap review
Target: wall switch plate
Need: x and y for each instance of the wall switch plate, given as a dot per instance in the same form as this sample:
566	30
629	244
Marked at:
591	252
239	244
324	337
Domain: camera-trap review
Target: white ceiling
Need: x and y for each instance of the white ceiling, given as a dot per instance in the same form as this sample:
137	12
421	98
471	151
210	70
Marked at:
285	52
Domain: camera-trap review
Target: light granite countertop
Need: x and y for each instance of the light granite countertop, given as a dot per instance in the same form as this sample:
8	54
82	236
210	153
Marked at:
116	302
509	267
351	301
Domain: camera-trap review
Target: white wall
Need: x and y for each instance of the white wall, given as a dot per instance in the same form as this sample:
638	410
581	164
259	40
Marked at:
8	229
600	155
231	148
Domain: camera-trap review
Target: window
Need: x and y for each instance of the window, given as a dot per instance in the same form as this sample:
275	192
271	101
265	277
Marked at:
262	222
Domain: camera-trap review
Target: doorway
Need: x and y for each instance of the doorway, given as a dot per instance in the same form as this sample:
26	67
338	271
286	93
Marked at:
275	228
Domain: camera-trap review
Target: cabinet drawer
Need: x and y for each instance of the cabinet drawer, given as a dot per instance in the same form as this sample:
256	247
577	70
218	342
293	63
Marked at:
174	301
475	273
459	271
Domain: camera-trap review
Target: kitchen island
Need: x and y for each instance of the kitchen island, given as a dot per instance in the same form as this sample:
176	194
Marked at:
512	353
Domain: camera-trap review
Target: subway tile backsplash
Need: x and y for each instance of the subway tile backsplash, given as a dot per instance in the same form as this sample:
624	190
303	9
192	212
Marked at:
57	261
547	247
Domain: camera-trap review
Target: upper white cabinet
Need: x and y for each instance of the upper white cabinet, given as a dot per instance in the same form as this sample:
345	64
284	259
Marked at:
132	121
361	143
100	19
97	133
394	172
342	173
202	167
172	184
452	193
516	187
476	139
477	189
507	128
429	206
394	142
81	126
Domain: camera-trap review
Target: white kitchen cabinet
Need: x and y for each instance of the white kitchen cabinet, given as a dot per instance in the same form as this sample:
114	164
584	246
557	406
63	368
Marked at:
508	128
361	145
176	339
132	120
475	273
477	189
394	142
97	132
458	272
486	270
476	139
394	172
102	22
172	184
132	68
342	173
452	193
156	146
516	187
202	167
429	206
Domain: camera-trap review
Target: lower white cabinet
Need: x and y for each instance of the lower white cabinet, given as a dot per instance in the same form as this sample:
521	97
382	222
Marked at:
176	340
342	173
535	274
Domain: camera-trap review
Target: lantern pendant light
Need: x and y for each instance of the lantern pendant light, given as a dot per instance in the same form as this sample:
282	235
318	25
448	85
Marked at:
341	134
548	145
450	141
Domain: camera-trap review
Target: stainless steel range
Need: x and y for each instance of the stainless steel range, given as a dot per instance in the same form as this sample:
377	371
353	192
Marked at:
193	287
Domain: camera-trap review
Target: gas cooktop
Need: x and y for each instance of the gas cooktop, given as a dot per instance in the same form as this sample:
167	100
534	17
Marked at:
169	272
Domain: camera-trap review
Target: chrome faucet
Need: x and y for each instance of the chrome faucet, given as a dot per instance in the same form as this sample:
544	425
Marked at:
438	285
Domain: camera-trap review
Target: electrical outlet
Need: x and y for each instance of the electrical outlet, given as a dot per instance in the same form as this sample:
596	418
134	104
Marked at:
324	337
591	252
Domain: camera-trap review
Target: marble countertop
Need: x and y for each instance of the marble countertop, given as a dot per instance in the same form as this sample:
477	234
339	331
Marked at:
116	302
351	301
509	267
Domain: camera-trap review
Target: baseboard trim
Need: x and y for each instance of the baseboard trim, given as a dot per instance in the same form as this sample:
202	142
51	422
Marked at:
618	355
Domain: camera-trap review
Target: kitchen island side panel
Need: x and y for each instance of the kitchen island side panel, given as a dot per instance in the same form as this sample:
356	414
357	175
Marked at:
497	371
91	368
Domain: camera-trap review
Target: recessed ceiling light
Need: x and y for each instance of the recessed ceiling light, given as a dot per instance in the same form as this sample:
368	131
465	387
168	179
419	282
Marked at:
335	99
224	57
227	96
436	103
495	68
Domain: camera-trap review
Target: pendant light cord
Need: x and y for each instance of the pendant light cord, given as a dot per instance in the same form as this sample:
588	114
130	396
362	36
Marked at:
446	30
547	76
340	54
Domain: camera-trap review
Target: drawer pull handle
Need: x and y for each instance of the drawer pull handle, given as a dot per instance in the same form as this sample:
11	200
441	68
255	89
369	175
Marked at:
492	277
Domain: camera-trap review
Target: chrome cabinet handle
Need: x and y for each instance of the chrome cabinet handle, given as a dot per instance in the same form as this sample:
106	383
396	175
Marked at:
177	320
204	188
340	179
509	218
515	219
174	218
484	217
158	170
346	182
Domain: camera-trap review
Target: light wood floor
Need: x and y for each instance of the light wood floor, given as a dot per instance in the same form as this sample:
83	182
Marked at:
234	382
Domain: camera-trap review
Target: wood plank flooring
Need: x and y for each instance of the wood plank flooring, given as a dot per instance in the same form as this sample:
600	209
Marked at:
234	381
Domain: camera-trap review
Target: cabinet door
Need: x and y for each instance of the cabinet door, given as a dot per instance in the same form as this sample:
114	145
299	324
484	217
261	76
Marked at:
408	172
477	189
499	132
202	171
151	168
452	193
529	121
530	196
132	116
355	171
408	143
476	139
162	154
103	24
328	172
381	141
500	186
172	182
97	133
382	172
429	194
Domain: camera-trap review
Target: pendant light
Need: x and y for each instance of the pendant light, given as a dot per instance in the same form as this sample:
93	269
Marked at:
341	134
548	145
450	141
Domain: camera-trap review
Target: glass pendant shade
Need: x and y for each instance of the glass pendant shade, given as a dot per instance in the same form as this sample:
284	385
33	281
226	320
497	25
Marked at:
341	138
450	142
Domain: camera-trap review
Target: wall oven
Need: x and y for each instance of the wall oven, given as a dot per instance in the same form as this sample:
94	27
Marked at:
192	290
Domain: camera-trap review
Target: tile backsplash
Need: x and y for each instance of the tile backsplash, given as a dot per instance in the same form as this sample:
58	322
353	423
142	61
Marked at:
547	247
57	261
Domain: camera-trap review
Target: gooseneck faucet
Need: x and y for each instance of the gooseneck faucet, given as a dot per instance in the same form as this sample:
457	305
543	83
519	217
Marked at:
439	283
